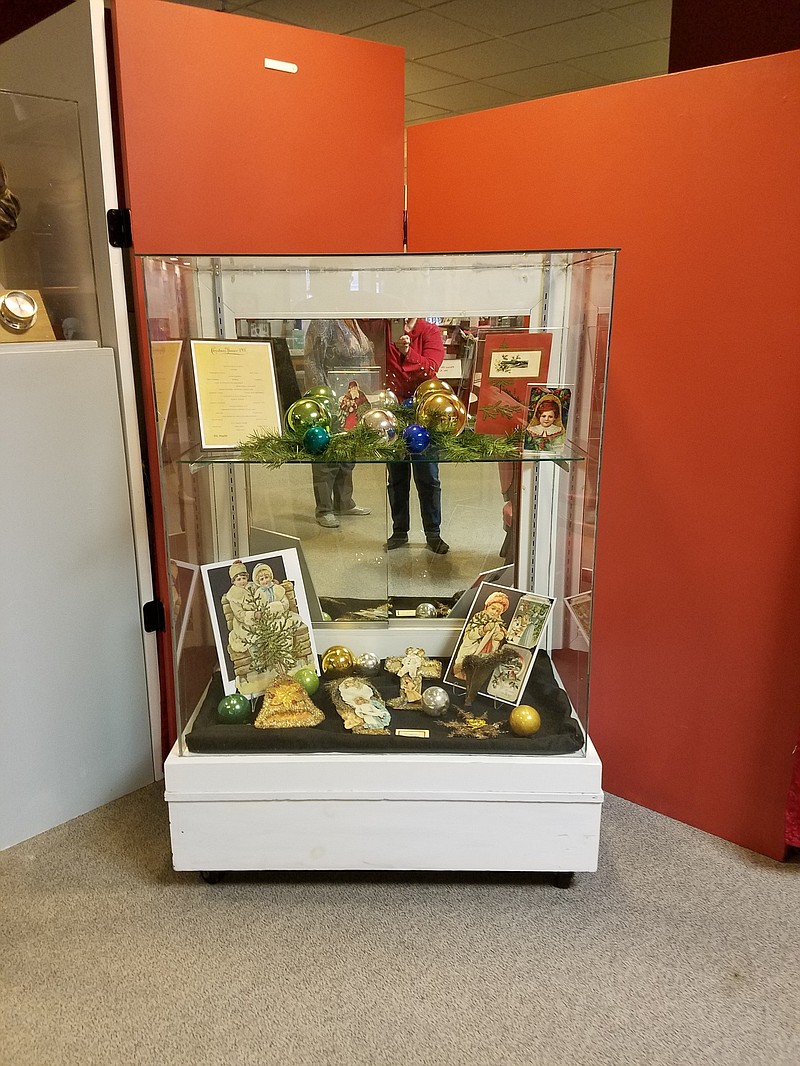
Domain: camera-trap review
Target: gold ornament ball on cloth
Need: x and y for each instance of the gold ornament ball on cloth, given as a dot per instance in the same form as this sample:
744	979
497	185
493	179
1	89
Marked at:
524	720
440	410
305	413
337	659
431	385
380	421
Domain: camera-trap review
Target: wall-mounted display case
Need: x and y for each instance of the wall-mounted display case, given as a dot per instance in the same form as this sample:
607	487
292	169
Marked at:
51	254
468	583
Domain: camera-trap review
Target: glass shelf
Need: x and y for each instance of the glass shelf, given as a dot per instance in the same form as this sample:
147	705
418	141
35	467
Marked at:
204	457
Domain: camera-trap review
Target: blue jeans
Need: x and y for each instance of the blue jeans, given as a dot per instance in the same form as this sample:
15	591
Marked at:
429	490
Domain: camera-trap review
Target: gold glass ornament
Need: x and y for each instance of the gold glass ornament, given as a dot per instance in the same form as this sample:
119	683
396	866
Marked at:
524	720
337	659
440	410
385	398
431	385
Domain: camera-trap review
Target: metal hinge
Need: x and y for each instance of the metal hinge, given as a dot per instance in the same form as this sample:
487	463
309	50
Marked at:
154	617
119	227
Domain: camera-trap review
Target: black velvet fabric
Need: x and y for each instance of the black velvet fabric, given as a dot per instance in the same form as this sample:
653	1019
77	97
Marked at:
560	734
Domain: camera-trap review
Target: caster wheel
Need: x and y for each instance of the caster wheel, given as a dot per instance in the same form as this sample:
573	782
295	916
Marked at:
212	877
563	879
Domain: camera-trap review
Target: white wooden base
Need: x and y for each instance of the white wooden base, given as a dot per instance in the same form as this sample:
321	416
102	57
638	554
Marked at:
384	812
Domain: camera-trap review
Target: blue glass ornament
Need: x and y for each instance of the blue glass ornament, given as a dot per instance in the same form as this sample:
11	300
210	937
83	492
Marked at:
409	402
316	440
417	438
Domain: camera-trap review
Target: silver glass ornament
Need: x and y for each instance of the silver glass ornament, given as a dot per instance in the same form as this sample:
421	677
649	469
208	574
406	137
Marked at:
370	663
435	701
425	610
380	421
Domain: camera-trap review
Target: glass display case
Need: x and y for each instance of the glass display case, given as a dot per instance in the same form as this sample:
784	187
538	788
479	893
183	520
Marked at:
50	254
380	479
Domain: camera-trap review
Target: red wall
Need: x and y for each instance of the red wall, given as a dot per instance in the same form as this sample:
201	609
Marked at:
223	156
695	672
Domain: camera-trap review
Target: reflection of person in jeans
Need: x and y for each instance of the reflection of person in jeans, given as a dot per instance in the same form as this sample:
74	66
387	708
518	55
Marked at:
417	355
332	343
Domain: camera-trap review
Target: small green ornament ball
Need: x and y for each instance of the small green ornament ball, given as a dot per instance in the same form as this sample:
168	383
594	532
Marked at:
308	679
234	708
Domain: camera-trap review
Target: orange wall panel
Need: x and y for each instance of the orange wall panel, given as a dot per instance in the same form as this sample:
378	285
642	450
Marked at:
223	156
695	675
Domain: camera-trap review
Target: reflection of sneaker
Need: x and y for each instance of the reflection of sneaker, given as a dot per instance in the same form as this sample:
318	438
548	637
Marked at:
329	520
436	544
397	540
355	510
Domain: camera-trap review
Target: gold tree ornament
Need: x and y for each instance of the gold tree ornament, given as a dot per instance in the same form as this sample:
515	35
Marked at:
431	385
439	410
287	705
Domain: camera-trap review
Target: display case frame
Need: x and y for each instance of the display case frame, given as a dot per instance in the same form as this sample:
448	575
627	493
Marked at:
283	798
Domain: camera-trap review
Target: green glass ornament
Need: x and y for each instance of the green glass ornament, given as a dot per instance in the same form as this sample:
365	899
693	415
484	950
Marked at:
305	413
317	392
234	708
308	679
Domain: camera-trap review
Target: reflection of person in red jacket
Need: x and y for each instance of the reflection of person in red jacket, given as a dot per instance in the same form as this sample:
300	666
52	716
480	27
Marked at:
417	355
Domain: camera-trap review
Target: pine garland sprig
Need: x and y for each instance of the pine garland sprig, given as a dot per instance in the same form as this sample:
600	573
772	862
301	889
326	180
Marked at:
272	449
363	445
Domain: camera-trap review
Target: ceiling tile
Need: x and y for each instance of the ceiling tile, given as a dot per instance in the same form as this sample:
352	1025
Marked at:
481	60
513	16
652	16
579	37
416	112
471	96
420	78
625	64
334	16
422	34
548	80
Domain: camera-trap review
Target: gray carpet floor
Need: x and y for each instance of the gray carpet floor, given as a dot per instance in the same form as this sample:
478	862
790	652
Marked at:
681	949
